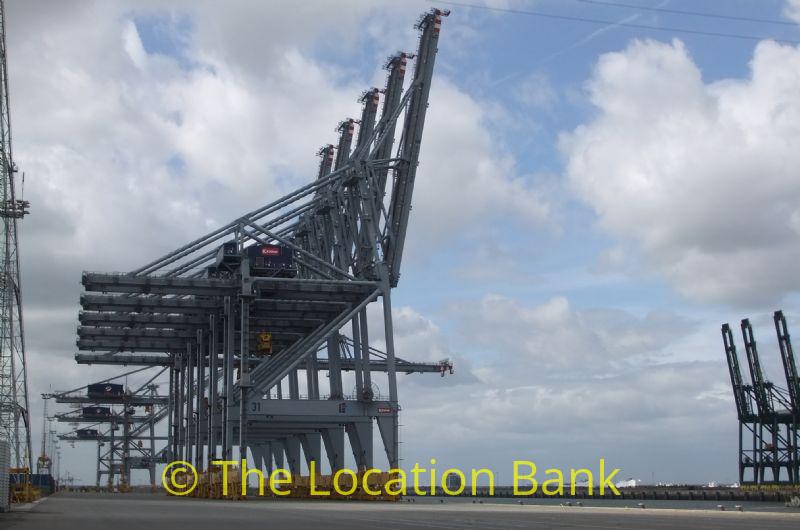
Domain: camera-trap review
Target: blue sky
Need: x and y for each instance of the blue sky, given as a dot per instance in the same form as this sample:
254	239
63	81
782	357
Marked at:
561	246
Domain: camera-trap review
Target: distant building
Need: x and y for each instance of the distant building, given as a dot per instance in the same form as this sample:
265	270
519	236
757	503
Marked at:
629	483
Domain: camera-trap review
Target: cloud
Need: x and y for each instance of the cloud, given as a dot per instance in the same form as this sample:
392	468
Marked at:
564	386
417	338
466	180
698	176
536	91
554	339
791	10
632	403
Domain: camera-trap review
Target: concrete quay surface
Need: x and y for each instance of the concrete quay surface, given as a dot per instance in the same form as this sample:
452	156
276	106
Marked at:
89	511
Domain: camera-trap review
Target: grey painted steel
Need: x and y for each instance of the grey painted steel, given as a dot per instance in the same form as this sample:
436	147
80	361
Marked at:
135	446
347	236
345	364
412	135
227	442
5	464
789	364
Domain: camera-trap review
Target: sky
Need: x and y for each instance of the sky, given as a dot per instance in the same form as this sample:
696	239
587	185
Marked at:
593	200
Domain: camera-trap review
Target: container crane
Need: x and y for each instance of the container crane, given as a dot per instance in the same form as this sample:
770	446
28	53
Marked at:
768	431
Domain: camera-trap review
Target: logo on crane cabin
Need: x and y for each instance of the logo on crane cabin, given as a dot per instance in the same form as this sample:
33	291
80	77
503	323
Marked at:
270	251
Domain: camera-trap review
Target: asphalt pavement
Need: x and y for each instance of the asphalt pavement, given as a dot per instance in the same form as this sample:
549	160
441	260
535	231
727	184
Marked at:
133	511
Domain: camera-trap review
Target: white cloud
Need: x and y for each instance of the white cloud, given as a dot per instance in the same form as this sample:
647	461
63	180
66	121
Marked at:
536	91
555	339
600	379
465	178
791	10
700	176
133	45
417	338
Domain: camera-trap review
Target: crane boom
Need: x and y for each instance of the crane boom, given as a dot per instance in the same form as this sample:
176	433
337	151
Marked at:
391	99
743	406
789	365
763	401
403	188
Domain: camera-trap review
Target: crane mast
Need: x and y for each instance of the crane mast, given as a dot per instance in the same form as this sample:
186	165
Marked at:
44	463
14	407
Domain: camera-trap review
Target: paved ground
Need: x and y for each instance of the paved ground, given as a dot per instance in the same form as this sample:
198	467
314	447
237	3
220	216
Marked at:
154	512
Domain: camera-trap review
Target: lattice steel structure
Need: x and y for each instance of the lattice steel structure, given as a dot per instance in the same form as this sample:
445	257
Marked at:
14	411
769	415
201	311
44	463
127	436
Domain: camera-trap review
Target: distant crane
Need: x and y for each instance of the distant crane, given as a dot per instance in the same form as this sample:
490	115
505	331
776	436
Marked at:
14	410
44	463
769	419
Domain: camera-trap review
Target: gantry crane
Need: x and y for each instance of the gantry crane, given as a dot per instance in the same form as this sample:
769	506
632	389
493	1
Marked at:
767	414
204	310
122	422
